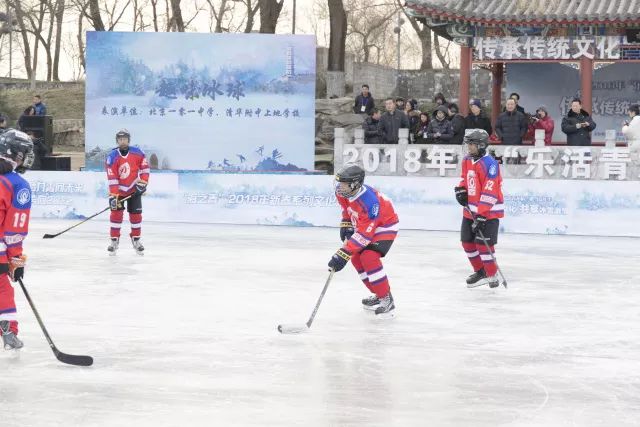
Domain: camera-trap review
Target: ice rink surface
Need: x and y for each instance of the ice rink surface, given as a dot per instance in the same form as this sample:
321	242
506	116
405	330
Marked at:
186	335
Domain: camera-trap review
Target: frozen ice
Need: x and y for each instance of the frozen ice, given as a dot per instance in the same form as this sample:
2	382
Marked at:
186	335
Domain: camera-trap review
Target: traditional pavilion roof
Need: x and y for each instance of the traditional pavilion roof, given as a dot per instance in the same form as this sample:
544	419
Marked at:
529	12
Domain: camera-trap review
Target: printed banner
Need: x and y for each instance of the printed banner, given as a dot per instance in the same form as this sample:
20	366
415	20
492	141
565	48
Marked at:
226	102
614	87
602	208
539	47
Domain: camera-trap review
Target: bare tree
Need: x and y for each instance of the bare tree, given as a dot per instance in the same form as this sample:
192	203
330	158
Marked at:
94	15
269	14
59	15
368	27
176	16
252	9
442	52
22	25
424	34
337	39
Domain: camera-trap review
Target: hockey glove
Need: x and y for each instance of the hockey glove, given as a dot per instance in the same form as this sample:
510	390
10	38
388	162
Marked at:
114	203
479	224
141	187
339	259
346	230
462	196
16	267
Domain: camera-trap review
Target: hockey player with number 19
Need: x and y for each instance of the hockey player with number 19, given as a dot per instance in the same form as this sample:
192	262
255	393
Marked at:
369	227
480	190
16	155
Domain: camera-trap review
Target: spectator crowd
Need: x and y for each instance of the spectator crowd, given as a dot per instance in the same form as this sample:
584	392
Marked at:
441	122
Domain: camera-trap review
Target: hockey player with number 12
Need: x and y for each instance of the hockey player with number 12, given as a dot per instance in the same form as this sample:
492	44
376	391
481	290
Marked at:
368	228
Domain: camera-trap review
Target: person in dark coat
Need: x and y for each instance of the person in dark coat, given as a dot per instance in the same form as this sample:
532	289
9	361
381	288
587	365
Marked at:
364	102
29	111
392	121
511	125
420	137
371	126
412	112
439	100
439	130
457	124
476	118
516	97
578	124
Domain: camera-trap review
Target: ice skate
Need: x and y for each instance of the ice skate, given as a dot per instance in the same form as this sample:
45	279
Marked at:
9	339
477	279
371	302
113	246
493	281
137	245
386	308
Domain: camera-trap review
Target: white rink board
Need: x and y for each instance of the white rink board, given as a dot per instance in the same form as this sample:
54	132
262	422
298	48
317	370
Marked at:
603	208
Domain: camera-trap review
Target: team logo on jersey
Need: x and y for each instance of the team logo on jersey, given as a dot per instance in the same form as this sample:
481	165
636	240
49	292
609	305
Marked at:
124	171
492	170
471	182
23	197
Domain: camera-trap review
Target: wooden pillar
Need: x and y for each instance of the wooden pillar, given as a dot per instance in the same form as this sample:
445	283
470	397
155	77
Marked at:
586	78
497	77
466	58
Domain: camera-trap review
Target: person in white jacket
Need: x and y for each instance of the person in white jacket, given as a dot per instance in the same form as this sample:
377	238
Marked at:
631	129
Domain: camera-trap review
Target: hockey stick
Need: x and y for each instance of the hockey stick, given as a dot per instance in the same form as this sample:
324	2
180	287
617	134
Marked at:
51	236
69	359
493	257
296	329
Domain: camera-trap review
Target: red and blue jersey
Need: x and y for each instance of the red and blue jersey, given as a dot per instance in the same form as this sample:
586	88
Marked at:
483	182
15	208
372	215
124	171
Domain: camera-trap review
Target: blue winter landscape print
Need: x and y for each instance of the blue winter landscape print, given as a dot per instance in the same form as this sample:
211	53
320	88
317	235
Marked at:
220	102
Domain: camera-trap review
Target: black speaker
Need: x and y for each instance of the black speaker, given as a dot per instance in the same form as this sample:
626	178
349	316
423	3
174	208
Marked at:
41	126
55	163
633	35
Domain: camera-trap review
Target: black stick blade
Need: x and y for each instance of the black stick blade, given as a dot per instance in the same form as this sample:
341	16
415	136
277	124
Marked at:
71	359
49	236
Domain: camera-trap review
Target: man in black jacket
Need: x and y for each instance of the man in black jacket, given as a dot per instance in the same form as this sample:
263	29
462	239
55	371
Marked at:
457	124
476	118
392	121
578	125
371	126
511	125
364	102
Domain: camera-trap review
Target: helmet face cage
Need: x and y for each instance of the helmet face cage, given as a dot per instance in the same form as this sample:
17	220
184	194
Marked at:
478	137
17	147
123	133
352	175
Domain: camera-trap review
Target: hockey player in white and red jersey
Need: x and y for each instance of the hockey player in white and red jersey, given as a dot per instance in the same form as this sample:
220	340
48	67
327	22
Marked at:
480	190
369	227
128	174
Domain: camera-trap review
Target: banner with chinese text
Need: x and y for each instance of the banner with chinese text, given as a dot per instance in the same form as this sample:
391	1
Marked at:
225	102
603	208
614	88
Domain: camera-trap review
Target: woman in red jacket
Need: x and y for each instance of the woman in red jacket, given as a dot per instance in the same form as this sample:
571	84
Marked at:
542	120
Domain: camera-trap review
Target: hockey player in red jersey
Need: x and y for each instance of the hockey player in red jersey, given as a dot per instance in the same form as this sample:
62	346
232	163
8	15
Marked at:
128	174
368	228
16	156
481	190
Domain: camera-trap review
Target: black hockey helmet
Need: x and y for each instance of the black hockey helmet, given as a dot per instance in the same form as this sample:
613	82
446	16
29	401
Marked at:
123	133
16	146
351	174
479	137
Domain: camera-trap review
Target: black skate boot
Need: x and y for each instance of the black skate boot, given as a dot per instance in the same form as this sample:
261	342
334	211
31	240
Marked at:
386	308
371	302
137	245
493	281
476	279
10	340
113	246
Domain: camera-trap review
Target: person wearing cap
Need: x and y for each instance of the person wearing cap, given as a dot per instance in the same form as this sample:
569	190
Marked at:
542	120
476	118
